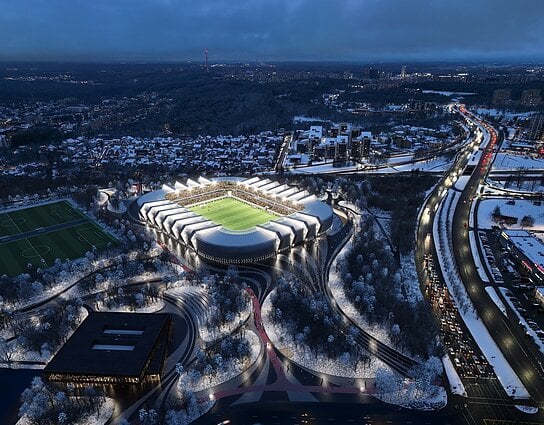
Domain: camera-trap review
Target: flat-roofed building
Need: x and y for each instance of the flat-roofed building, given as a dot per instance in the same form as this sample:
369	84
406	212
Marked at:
527	250
113	348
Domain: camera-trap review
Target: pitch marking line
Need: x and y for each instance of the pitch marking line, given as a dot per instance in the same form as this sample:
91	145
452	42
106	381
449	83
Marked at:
13	222
36	251
53	211
46	250
83	238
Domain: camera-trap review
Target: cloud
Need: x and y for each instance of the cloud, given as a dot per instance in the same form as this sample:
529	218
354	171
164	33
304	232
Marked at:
361	30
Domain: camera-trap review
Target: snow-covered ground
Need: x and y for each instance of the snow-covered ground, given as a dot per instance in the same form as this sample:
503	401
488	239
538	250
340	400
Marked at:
505	113
506	292
231	368
521	208
226	329
434	400
303	119
525	186
303	356
448	93
441	233
456	385
476	256
21	354
461	182
378	331
510	161
474	157
527	409
101	418
439	164
496	299
151	308
394	165
121	209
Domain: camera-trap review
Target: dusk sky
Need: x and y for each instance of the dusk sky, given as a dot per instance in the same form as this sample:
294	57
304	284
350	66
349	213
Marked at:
346	30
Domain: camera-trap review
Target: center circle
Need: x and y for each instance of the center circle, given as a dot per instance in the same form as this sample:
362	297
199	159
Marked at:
36	251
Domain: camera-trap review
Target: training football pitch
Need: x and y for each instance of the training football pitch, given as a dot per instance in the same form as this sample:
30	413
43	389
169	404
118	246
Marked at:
232	213
41	234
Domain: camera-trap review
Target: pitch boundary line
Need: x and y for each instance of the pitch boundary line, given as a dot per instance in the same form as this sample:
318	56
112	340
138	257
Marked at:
15	224
26	239
54	213
36	251
83	238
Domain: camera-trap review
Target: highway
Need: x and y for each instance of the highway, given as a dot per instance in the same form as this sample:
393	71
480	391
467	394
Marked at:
518	350
486	399
520	354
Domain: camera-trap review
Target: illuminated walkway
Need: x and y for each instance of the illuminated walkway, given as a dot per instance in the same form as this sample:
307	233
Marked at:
282	383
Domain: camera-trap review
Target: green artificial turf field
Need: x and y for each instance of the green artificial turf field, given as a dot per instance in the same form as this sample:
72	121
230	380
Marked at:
41	234
232	213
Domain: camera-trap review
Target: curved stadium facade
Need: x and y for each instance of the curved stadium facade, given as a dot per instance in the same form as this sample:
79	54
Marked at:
234	220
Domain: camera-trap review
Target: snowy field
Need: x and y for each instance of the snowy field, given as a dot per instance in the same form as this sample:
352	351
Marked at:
520	209
509	161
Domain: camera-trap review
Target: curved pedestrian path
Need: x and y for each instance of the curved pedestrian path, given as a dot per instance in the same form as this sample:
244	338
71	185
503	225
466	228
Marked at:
282	383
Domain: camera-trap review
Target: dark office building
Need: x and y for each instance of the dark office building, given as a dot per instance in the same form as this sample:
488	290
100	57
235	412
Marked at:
113	348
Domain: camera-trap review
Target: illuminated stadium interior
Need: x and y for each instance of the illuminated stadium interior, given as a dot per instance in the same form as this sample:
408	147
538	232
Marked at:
235	220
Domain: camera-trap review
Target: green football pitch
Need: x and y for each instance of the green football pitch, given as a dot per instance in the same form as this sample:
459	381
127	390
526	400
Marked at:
41	234
232	213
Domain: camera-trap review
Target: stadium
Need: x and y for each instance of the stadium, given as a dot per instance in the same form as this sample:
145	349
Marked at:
236	220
